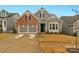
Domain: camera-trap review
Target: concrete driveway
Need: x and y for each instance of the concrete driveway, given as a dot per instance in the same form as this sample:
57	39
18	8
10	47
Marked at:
21	43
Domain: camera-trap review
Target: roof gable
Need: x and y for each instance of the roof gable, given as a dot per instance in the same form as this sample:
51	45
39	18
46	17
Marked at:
5	14
27	12
54	19
47	15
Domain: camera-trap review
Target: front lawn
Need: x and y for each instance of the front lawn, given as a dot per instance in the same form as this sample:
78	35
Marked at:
5	35
57	38
53	48
56	42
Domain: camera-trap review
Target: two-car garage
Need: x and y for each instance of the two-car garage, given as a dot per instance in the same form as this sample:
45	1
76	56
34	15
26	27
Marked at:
27	29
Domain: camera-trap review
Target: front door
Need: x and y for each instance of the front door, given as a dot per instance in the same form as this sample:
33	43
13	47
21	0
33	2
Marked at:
42	27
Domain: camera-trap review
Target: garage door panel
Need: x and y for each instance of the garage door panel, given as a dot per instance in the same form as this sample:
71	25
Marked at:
23	28
32	29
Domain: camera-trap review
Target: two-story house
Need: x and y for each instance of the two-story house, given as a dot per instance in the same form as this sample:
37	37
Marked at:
7	21
41	21
49	22
70	24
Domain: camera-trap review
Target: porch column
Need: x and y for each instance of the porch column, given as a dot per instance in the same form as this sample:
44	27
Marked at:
4	25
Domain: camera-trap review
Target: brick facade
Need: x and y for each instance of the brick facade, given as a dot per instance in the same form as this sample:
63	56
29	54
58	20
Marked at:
33	21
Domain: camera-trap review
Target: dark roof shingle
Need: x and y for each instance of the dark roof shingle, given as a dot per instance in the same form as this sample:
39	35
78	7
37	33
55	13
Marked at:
69	19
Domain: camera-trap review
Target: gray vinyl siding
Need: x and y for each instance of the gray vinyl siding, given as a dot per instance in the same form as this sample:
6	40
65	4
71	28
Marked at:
67	29
76	27
46	16
10	19
11	23
60	27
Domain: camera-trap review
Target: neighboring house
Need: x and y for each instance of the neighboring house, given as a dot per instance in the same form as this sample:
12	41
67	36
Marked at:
27	23
70	24
7	21
49	22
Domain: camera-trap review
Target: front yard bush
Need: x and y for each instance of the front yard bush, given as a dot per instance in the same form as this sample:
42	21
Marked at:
14	31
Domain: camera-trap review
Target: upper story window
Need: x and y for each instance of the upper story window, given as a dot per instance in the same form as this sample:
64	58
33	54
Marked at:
27	18
3	14
42	15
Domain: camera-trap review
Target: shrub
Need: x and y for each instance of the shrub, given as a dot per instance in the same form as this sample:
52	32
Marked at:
14	31
75	34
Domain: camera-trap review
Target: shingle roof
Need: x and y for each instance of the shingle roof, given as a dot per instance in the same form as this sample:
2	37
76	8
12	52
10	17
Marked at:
69	19
53	15
4	11
27	11
10	15
54	19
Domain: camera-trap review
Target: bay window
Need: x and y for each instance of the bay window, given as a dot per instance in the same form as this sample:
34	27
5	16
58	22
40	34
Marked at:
53	26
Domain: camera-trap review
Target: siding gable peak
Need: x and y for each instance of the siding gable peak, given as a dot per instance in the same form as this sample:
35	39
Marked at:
27	12
42	14
4	11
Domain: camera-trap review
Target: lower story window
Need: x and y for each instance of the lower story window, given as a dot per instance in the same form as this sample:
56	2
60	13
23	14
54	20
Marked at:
50	26
56	26
53	26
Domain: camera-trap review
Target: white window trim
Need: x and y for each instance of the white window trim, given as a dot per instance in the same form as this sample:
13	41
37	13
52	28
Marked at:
42	14
56	30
